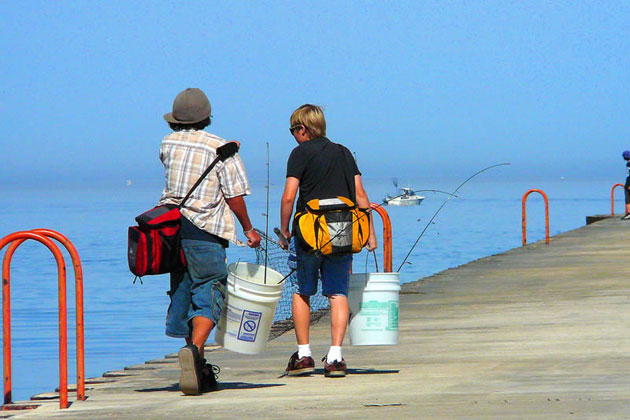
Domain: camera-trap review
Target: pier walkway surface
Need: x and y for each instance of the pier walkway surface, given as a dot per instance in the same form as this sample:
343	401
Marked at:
538	332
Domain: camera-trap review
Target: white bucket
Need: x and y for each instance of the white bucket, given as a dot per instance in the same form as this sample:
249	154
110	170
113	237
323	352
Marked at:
250	307
373	301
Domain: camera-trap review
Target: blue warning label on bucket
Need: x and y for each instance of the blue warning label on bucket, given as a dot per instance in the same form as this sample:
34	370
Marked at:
248	329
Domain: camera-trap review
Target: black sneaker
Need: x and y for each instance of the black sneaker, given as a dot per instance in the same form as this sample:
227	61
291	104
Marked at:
210	375
335	369
300	366
190	373
626	217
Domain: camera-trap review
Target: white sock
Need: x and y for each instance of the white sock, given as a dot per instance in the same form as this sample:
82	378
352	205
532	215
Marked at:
334	354
304	350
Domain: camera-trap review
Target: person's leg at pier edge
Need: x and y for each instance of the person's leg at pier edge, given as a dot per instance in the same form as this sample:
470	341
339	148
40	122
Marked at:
208	272
301	309
335	280
339	313
201	328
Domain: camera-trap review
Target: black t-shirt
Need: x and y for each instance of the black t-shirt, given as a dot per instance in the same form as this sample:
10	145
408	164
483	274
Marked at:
325	170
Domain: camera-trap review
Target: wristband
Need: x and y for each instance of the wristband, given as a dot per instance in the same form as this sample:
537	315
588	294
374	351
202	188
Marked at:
247	232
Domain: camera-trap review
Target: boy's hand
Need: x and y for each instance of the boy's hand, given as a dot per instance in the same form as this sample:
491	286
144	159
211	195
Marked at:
372	243
287	235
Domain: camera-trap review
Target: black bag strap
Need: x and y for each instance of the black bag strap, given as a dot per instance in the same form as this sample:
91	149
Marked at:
347	177
223	152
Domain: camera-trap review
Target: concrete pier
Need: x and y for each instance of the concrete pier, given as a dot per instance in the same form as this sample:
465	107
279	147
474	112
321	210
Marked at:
538	332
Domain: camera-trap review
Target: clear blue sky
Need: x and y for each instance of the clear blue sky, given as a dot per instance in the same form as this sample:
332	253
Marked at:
415	88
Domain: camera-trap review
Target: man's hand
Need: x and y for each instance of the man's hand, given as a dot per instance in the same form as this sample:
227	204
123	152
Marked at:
253	239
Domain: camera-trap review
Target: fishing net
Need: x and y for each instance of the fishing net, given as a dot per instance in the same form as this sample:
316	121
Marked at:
278	260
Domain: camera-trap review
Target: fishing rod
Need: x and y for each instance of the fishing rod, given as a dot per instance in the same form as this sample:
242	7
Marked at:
395	182
442	206
436	191
267	216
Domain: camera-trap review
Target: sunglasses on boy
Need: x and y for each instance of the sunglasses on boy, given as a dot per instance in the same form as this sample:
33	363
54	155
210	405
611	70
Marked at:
295	127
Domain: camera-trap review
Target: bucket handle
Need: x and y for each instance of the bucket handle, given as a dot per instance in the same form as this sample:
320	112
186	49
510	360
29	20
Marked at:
236	288
234	283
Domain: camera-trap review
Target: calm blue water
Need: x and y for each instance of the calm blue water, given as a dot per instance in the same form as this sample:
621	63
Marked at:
124	322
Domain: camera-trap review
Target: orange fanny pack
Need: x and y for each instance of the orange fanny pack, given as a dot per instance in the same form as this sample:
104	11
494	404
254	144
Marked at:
333	226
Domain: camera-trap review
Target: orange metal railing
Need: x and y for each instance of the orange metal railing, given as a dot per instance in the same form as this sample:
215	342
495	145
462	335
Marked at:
78	291
43	235
387	237
546	215
612	199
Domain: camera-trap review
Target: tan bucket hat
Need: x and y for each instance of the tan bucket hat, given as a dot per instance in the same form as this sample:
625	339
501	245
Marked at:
189	107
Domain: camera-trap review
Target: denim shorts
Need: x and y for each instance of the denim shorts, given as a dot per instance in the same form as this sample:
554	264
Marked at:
334	270
198	291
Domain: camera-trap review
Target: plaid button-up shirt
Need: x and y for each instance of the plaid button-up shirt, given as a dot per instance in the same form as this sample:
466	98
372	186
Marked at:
185	155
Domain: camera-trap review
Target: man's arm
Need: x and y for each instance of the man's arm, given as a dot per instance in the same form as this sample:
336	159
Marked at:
364	202
286	204
238	207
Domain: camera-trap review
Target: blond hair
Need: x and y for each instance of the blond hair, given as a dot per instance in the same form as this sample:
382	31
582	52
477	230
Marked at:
311	117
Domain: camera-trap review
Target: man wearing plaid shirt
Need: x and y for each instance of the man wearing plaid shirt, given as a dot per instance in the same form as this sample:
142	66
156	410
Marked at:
207	227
